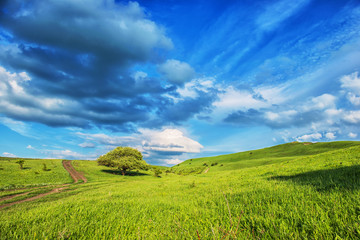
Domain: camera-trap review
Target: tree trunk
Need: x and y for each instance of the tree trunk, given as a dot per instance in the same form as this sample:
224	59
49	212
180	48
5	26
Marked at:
123	172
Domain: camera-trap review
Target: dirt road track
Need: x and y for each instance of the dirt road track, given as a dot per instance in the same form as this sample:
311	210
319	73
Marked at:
73	173
76	176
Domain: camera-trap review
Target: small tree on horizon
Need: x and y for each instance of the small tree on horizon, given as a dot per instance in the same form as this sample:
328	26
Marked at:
124	159
21	163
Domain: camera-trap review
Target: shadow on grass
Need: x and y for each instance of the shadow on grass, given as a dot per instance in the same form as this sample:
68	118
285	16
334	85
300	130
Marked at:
128	173
344	178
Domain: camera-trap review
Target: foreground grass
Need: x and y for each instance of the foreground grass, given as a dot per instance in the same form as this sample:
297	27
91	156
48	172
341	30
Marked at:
32	174
309	197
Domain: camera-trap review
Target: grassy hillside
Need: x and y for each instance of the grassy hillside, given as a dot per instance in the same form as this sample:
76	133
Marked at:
271	155
33	173
311	196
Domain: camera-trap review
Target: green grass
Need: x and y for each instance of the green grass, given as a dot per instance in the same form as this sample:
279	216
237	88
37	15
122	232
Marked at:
277	154
310	196
32	174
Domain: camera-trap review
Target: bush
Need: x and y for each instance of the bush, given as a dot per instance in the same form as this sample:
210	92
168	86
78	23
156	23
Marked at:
157	172
45	167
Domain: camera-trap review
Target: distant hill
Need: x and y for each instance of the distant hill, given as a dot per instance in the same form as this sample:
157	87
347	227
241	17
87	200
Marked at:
270	155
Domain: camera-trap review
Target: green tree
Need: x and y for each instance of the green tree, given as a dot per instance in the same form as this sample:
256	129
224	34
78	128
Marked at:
123	158
21	163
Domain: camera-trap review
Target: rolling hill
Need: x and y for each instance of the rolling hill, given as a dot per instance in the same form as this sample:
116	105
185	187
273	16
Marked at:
289	191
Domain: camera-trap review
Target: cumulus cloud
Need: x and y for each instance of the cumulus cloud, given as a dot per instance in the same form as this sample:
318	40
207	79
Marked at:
321	102
30	147
176	72
352	117
351	84
330	136
6	154
352	135
309	137
168	140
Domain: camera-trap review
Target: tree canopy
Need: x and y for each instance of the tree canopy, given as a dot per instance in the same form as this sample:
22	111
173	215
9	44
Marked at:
123	158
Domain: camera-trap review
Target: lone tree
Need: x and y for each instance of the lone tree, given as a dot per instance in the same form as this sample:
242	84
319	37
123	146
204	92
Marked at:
123	158
21	163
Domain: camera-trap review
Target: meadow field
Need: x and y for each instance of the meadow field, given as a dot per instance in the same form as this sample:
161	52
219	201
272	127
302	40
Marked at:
290	191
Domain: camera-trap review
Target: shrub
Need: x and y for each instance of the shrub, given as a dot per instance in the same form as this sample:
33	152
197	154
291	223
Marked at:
45	167
157	172
21	163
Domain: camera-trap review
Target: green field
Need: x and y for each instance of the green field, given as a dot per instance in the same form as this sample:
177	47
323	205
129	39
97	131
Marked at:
291	191
32	174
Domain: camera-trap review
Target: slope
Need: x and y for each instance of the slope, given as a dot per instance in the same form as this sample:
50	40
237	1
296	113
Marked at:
270	155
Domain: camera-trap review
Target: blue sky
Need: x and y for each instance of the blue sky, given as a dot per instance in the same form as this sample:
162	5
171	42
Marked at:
176	79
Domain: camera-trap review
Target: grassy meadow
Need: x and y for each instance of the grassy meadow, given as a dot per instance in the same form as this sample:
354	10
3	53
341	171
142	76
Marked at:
33	173
291	191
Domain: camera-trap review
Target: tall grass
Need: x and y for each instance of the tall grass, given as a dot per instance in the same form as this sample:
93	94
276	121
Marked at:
32	174
309	197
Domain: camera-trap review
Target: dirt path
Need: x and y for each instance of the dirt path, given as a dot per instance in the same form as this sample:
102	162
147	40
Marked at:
73	173
76	176
12	196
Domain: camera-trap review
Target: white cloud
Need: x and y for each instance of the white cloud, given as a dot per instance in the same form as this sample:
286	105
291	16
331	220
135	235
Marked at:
353	98
87	145
176	72
168	140
351	84
330	136
324	101
198	84
30	147
6	154
352	117
283	116
173	161
309	137
233	98
139	75
352	135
